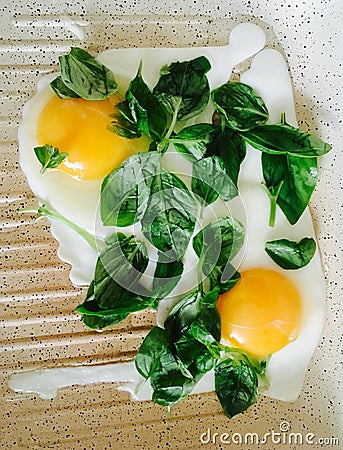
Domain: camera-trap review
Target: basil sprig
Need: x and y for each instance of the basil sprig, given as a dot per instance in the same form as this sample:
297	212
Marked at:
217	244
175	358
289	155
140	113
83	76
49	156
293	179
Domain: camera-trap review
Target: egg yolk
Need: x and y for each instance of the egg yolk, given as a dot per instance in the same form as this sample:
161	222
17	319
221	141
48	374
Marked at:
78	127
261	313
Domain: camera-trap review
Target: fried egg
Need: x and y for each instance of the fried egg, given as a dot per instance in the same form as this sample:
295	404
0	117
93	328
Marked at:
93	151
270	312
261	313
79	128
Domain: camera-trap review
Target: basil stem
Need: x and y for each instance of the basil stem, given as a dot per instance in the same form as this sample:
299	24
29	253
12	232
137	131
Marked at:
44	211
273	194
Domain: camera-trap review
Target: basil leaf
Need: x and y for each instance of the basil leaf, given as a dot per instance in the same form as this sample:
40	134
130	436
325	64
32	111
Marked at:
148	113
124	124
285	139
187	349
177	357
49	157
188	310
119	267
147	358
299	177
241	106
199	330
84	75
182	315
236	386
224	277
218	243
98	322
209	300
210	180
96	318
170	386
291	255
192	141
183	87
230	146
125	191
171	381
204	362
167	275
62	90
169	218
193	331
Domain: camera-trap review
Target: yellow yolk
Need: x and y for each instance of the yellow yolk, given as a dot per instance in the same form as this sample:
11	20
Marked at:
261	313
78	127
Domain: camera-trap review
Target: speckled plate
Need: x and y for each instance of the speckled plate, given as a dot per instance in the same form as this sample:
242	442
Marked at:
39	328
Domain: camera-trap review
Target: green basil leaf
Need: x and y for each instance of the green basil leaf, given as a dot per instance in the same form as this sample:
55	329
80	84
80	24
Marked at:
49	157
285	139
236	386
148	113
62	90
98	322
189	309
199	329
147	359
171	381
167	275
84	75
210	180
230	146
241	106
209	300
192	141
124	124
169	218
170	386
125	191
129	302
182	315
187	349
118	269
111	297
223	277
299	177
218	243
95	317
204	362
291	255
183	87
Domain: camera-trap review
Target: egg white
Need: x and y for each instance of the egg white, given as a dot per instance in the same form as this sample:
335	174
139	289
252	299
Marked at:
79	200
